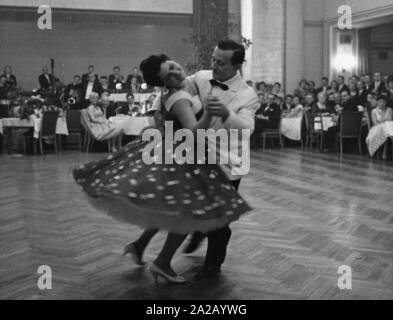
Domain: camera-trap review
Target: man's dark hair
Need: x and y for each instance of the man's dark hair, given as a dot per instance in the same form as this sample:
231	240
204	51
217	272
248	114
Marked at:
342	77
91	66
239	53
130	95
288	96
104	77
116	67
151	67
277	84
325	78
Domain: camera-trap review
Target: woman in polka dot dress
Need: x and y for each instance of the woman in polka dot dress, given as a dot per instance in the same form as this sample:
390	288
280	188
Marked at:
179	198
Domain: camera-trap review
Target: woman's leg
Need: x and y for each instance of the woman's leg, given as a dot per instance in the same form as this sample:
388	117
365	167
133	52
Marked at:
143	241
172	243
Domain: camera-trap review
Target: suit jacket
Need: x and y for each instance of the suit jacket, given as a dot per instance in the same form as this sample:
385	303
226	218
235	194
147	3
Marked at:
242	103
362	98
112	81
139	80
96	88
344	87
44	82
272	111
350	105
85	77
11	81
322	89
75	87
381	87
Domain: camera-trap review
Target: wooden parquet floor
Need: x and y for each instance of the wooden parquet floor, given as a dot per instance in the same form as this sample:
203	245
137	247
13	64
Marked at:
313	213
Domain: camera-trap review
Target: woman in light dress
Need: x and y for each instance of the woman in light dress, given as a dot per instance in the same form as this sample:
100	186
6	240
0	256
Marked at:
380	131
291	124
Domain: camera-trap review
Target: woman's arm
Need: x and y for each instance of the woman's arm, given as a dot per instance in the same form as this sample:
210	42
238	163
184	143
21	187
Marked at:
182	110
374	120
389	114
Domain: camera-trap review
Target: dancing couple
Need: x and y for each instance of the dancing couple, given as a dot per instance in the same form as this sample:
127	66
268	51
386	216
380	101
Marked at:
201	199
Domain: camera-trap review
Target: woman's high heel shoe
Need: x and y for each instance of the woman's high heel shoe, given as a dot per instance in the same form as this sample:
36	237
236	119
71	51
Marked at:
130	249
158	272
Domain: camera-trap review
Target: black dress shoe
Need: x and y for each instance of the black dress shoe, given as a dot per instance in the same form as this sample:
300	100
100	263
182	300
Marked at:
194	243
208	273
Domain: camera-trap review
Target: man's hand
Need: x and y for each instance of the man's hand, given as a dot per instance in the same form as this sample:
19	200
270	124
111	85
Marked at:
215	108
259	116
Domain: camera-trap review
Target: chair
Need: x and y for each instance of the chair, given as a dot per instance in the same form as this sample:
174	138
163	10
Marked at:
350	128
273	133
75	128
89	136
48	130
4	110
313	134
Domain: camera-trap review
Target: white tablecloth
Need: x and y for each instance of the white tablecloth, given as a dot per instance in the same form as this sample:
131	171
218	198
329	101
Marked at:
133	126
122	97
378	136
327	123
61	127
291	128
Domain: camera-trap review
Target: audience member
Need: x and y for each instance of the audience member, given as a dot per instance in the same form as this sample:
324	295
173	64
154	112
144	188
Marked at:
46	80
85	76
10	79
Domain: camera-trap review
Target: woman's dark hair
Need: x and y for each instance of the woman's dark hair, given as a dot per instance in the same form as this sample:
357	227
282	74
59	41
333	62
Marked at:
130	95
239	53
151	67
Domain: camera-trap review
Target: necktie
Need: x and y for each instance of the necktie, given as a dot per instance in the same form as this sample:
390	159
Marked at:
215	83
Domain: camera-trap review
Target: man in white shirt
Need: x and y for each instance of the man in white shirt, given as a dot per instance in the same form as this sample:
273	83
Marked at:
233	105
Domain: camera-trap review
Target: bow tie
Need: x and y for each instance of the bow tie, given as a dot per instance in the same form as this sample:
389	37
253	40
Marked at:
215	83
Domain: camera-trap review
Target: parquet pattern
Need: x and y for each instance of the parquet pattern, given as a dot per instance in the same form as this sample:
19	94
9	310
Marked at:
313	213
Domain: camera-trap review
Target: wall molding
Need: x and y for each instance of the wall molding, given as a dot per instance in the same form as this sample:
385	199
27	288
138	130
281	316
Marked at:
313	23
98	17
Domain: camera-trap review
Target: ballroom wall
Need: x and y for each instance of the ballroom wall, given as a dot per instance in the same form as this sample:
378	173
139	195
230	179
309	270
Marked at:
80	38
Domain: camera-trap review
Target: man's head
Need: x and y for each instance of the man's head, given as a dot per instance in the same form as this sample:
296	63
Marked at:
340	80
249	83
90	68
377	76
325	82
45	69
270	98
92	77
134	80
136	70
311	84
386	78
77	79
288	99
373	99
130	98
345	96
227	59
359	84
337	97
309	99
105	102
261	97
322	97
103	80
116	70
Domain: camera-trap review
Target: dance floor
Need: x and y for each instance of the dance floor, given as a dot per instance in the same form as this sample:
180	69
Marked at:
313	213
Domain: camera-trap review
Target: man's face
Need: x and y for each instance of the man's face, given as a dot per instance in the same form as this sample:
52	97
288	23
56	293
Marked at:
288	100
269	99
91	69
377	77
340	80
103	81
222	66
45	69
130	99
133	80
136	70
337	97
116	71
325	83
386	78
367	79
92	77
261	98
359	84
345	96
77	80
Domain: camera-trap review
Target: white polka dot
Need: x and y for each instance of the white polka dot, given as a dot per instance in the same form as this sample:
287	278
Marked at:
169	197
240	201
172	183
172	169
197	171
110	157
150	196
212	176
202	197
82	166
117	177
186	201
160	188
121	167
172	202
230	213
133	182
188	175
153	169
132	195
116	192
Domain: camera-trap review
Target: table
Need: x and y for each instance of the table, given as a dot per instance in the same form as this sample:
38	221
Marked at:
133	126
327	122
8	124
122	97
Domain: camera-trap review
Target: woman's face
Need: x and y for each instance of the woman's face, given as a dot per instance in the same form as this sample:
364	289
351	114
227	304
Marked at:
172	74
94	100
296	101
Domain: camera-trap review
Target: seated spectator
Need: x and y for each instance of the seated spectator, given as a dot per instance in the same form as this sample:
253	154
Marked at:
321	106
104	83
136	74
101	127
325	86
3	88
135	86
353	91
74	89
341	84
266	117
334	86
108	106
10	79
348	103
128	107
277	90
362	93
309	102
297	110
378	135
302	90
286	107
85	76
115	79
378	86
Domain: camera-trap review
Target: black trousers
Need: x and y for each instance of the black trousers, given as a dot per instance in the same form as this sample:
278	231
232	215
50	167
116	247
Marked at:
218	242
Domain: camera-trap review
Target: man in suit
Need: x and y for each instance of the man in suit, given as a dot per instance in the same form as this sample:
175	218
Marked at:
129	107
88	87
115	78
362	93
233	104
85	76
287	105
266	117
46	80
341	84
378	86
104	83
136	74
325	86
348	103
74	89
